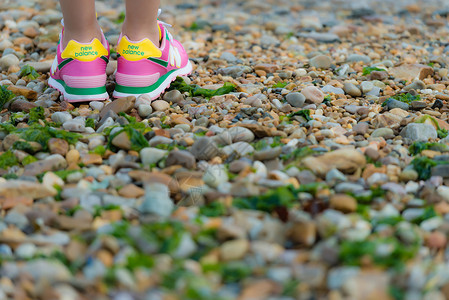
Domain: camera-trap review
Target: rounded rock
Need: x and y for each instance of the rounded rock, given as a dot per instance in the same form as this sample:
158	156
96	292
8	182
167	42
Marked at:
321	62
296	99
160	105
313	94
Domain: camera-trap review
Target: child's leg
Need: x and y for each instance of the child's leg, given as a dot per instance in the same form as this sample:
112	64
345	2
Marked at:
141	20
80	21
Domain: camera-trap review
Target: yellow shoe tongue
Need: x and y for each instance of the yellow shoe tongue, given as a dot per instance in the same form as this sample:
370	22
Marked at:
84	52
137	51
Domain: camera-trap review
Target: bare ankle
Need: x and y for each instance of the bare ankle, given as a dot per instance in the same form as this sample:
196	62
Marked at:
137	33
81	36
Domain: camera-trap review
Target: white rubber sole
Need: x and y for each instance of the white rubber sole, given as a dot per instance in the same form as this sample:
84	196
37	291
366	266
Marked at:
76	98
162	87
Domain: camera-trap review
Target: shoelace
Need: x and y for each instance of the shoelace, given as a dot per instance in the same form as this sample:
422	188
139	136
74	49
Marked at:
159	11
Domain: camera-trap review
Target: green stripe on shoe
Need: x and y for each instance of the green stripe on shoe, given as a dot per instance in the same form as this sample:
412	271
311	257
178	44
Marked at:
104	58
159	61
82	91
142	90
64	62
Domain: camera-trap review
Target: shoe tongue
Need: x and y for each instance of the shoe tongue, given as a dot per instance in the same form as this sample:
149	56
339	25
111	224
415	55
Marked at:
84	51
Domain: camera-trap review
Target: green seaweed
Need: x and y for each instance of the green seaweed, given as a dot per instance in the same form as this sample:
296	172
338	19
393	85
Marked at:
41	135
279	85
418	147
353	252
429	212
281	197
195	90
139	260
28	160
5	95
423	165
29	72
442	133
298	154
36	114
369	70
121	18
100	150
90	123
214	209
305	113
8	159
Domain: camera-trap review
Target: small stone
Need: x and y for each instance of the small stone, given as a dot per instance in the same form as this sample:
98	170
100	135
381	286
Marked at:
437	104
415	85
321	62
26	251
234	250
332	90
343	203
392	103
150	156
16	188
181	157
122	141
131	191
61	117
295	99
241	134
386	133
241	148
345	160
119	105
235	71
419	132
410	72
228	56
91	159
418	105
22	105
46	270
367	86
50	179
174	96
23	91
268	68
215	175
58	146
157	200
96	105
441	170
72	156
160	105
74	126
268	154
313	94
361	128
352	90
53	162
436	240
304	233
358	57
144	110
7	61
205	149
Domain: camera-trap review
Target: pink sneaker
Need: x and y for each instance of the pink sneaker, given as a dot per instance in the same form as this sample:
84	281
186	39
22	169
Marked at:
144	68
79	70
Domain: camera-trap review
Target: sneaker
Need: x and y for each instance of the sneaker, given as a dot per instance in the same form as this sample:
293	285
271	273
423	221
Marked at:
145	69
79	70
